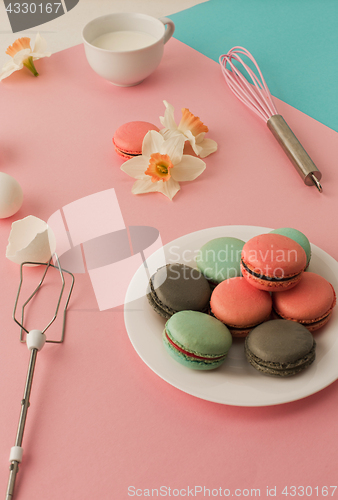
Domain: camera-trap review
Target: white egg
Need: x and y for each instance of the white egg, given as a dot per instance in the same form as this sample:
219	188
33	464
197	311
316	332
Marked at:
11	196
30	240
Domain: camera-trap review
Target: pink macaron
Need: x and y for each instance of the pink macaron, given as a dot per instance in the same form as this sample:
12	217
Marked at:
272	262
128	138
240	306
309	303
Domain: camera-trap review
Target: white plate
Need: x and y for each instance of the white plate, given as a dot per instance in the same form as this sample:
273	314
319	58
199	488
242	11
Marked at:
236	382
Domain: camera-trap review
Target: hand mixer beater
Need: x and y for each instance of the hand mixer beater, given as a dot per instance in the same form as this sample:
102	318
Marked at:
35	340
258	98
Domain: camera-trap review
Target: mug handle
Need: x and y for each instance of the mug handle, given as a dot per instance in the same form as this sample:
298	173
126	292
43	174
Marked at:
170	28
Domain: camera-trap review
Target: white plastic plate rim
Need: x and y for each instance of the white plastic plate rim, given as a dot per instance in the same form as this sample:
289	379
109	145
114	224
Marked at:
235	382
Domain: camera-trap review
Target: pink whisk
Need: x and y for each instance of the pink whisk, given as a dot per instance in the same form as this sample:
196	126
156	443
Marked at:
258	98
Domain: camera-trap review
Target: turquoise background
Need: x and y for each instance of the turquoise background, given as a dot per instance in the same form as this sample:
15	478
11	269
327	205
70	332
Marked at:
295	43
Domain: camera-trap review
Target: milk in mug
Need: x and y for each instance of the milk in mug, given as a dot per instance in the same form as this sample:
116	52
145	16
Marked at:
122	41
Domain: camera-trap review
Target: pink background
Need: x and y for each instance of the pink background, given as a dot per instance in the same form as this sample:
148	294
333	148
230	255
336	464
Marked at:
100	420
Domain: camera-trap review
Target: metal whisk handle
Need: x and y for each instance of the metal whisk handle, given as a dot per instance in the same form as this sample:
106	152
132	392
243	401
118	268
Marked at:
15	456
13	468
295	151
35	341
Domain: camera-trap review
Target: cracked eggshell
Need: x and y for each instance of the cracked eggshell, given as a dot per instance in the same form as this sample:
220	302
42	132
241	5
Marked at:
30	240
11	196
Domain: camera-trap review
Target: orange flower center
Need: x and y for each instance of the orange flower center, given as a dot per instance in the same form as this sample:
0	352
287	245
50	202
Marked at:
192	123
159	167
19	44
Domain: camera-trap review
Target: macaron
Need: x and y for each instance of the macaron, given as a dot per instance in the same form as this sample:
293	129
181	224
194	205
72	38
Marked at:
220	259
280	347
240	306
177	287
273	262
128	138
310	303
196	340
297	236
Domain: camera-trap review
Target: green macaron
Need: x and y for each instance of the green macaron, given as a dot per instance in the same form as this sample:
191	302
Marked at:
196	340
219	259
297	236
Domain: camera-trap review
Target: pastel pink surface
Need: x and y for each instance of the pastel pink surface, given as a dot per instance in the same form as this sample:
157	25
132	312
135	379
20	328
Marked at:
236	303
128	137
92	224
104	414
310	300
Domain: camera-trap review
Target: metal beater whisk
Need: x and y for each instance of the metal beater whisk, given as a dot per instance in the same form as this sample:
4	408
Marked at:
35	340
258	98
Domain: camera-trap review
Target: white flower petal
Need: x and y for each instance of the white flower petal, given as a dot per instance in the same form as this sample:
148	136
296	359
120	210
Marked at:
167	132
197	149
40	44
152	143
21	56
168	188
145	185
8	69
168	120
173	147
192	139
38	55
207	146
199	138
135	167
188	169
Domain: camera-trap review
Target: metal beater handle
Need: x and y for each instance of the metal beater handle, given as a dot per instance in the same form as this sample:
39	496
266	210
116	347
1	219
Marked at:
295	151
16	451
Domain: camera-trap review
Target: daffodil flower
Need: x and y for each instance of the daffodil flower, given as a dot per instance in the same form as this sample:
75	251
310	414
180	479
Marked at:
191	128
22	55
162	165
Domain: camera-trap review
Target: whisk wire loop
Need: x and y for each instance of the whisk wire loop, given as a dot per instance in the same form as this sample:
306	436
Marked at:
249	99
61	271
257	96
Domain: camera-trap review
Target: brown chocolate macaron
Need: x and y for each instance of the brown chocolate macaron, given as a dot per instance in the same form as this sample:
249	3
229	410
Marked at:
280	347
177	287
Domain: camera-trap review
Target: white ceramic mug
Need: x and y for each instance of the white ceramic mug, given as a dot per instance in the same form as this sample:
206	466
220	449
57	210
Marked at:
120	64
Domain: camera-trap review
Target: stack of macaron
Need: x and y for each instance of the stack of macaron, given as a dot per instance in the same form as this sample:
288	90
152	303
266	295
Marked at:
255	290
